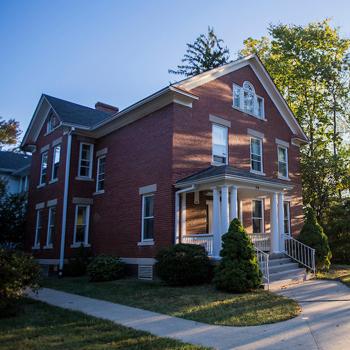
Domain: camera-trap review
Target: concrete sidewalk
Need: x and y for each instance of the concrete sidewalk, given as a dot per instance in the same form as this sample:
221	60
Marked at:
324	323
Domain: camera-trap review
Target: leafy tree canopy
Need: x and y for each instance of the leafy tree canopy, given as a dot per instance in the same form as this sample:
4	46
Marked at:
207	52
9	132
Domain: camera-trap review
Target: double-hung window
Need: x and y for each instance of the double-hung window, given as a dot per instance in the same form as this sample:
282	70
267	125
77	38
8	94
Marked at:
100	178
147	217
51	227
286	221
282	161
219	144
258	216
55	162
256	162
245	99
81	225
38	228
43	168
85	160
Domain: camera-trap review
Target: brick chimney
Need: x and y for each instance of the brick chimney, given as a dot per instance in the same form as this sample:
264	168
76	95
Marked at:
104	107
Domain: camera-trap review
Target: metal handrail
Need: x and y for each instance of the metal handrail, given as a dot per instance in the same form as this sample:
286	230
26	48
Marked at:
263	261
300	252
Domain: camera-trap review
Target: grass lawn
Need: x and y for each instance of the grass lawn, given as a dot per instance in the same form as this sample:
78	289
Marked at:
199	303
44	327
337	272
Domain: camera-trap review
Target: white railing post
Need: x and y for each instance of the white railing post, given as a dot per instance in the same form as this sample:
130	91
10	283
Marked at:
216	223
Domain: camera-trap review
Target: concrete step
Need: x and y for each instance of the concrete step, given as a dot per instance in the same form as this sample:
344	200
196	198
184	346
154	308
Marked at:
280	261
283	267
289	274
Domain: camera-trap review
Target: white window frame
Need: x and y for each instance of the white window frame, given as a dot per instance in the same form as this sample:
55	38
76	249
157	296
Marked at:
46	155
287	217
90	159
53	162
261	172
262	215
256	97
280	175
98	173
49	127
143	217
212	144
39	214
49	226
85	243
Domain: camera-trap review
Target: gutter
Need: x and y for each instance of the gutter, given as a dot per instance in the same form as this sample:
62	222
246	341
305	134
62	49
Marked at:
177	211
65	203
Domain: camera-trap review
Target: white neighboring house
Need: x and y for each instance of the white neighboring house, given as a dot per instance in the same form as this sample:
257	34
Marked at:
15	169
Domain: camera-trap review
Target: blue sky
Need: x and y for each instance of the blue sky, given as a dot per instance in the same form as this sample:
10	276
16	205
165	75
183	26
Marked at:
120	51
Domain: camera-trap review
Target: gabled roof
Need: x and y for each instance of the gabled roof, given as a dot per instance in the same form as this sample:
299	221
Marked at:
12	161
73	113
214	173
254	62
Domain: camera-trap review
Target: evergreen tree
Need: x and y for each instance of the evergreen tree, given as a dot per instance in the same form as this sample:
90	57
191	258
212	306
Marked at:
205	53
312	235
238	270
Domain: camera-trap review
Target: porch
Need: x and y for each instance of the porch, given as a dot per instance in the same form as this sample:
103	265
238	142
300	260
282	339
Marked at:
208	201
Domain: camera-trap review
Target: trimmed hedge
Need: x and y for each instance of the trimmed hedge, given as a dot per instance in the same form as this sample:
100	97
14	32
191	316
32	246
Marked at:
238	270
183	264
105	268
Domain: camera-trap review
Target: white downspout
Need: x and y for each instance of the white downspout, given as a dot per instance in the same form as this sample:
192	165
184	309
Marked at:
177	212
65	203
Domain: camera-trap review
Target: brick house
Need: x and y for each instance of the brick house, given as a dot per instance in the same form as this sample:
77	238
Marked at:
176	166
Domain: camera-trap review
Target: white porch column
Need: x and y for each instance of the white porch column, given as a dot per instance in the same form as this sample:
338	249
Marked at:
183	214
216	223
274	224
281	220
233	203
224	210
177	218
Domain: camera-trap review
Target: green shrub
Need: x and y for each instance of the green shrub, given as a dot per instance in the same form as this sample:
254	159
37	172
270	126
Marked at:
312	235
17	272
238	270
183	264
78	263
105	268
337	228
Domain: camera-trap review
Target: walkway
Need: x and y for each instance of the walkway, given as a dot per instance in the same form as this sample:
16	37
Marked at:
324	323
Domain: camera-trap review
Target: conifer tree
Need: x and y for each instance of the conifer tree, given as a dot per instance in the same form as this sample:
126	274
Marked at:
207	52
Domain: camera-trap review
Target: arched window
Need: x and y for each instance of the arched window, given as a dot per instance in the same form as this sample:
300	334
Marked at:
52	122
245	99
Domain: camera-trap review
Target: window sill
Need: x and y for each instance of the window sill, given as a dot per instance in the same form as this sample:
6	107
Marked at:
98	192
257	172
218	164
145	243
79	244
283	178
50	246
250	114
36	247
41	185
53	181
81	178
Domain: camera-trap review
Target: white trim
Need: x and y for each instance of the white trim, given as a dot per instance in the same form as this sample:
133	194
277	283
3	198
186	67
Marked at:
282	143
57	146
255	133
143	217
46	155
281	176
37	239
226	154
44	148
219	120
86	224
262	215
101	152
91	157
98	173
146	242
51	203
261	171
288	203
81	178
147	189
49	224
56	142
82	201
40	205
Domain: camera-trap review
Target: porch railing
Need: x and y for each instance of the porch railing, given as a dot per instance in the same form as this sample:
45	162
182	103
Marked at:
263	261
300	252
205	240
261	241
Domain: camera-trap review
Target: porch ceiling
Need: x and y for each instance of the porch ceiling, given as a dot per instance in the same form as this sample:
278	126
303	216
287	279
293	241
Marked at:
226	174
